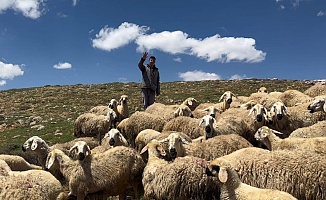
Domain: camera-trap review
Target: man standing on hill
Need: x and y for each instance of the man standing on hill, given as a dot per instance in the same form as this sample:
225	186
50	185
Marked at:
150	86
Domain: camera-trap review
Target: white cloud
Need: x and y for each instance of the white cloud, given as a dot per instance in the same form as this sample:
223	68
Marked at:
10	71
109	38
62	66
3	82
74	2
178	59
198	76
214	48
29	8
238	77
321	13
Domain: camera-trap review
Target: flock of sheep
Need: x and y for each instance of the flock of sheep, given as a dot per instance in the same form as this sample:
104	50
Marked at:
269	145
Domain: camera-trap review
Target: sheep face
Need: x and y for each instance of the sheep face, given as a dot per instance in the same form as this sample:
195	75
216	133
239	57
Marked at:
79	151
209	121
113	136
211	110
175	144
278	110
113	104
123	99
317	105
183	110
227	96
259	112
154	148
262	90
219	168
34	143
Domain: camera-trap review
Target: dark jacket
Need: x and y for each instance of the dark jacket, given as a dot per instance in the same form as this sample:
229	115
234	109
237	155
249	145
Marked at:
150	77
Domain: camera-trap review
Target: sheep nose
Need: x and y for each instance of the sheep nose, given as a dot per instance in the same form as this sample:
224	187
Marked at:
279	116
81	156
23	149
229	101
111	141
259	118
208	129
213	115
110	106
173	153
270	122
191	116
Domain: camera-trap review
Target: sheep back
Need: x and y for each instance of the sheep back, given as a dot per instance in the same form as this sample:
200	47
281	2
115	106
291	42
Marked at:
90	125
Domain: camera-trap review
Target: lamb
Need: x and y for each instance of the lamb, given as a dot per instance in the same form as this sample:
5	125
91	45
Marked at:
317	104
315	130
192	127
18	163
300	173
268	137
41	148
233	188
191	102
122	108
110	172
104	110
30	184
182	179
91	125
208	149
115	138
294	97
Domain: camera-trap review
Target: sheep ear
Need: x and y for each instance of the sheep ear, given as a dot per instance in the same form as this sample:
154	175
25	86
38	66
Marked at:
144	149
72	150
184	141
223	95
234	95
201	122
277	132
34	145
49	161
205	110
251	110
223	175
178	112
88	150
190	102
164	140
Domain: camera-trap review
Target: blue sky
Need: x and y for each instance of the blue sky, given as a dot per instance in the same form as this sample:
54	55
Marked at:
67	42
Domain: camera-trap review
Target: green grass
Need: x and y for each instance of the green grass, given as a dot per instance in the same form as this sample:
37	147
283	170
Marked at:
59	106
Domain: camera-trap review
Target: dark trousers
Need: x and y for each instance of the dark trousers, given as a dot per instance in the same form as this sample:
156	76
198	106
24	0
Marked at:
148	97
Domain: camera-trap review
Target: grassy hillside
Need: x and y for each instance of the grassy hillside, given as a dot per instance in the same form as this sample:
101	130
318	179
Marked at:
56	107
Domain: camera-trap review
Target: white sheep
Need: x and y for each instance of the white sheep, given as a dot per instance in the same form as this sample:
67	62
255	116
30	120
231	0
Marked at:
317	104
30	184
122	108
168	112
144	137
191	102
262	90
268	137
300	173
207	109
18	163
315	130
192	127
207	149
233	188
110	172
294	97
93	125
227	100
184	178
41	148
316	90
114	138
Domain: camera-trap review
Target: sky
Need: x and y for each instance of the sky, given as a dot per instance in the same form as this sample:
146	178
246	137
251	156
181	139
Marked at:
68	42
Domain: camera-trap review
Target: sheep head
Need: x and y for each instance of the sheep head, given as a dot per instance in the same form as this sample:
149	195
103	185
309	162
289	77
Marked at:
227	97
80	150
183	110
264	135
278	110
154	148
209	121
219	167
34	143
175	144
114	137
260	113
317	105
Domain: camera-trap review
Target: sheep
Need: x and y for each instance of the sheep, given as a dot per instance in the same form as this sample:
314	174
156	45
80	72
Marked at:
316	90
169	112
115	138
144	137
192	127
262	90
239	121
248	105
122	108
294	97
208	149
227	100
264	99
300	173
41	148
18	163
268	137
91	125
207	109
110	172
182	179
191	102
315	130
4	168
233	188
30	184
139	121
317	104
105	110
